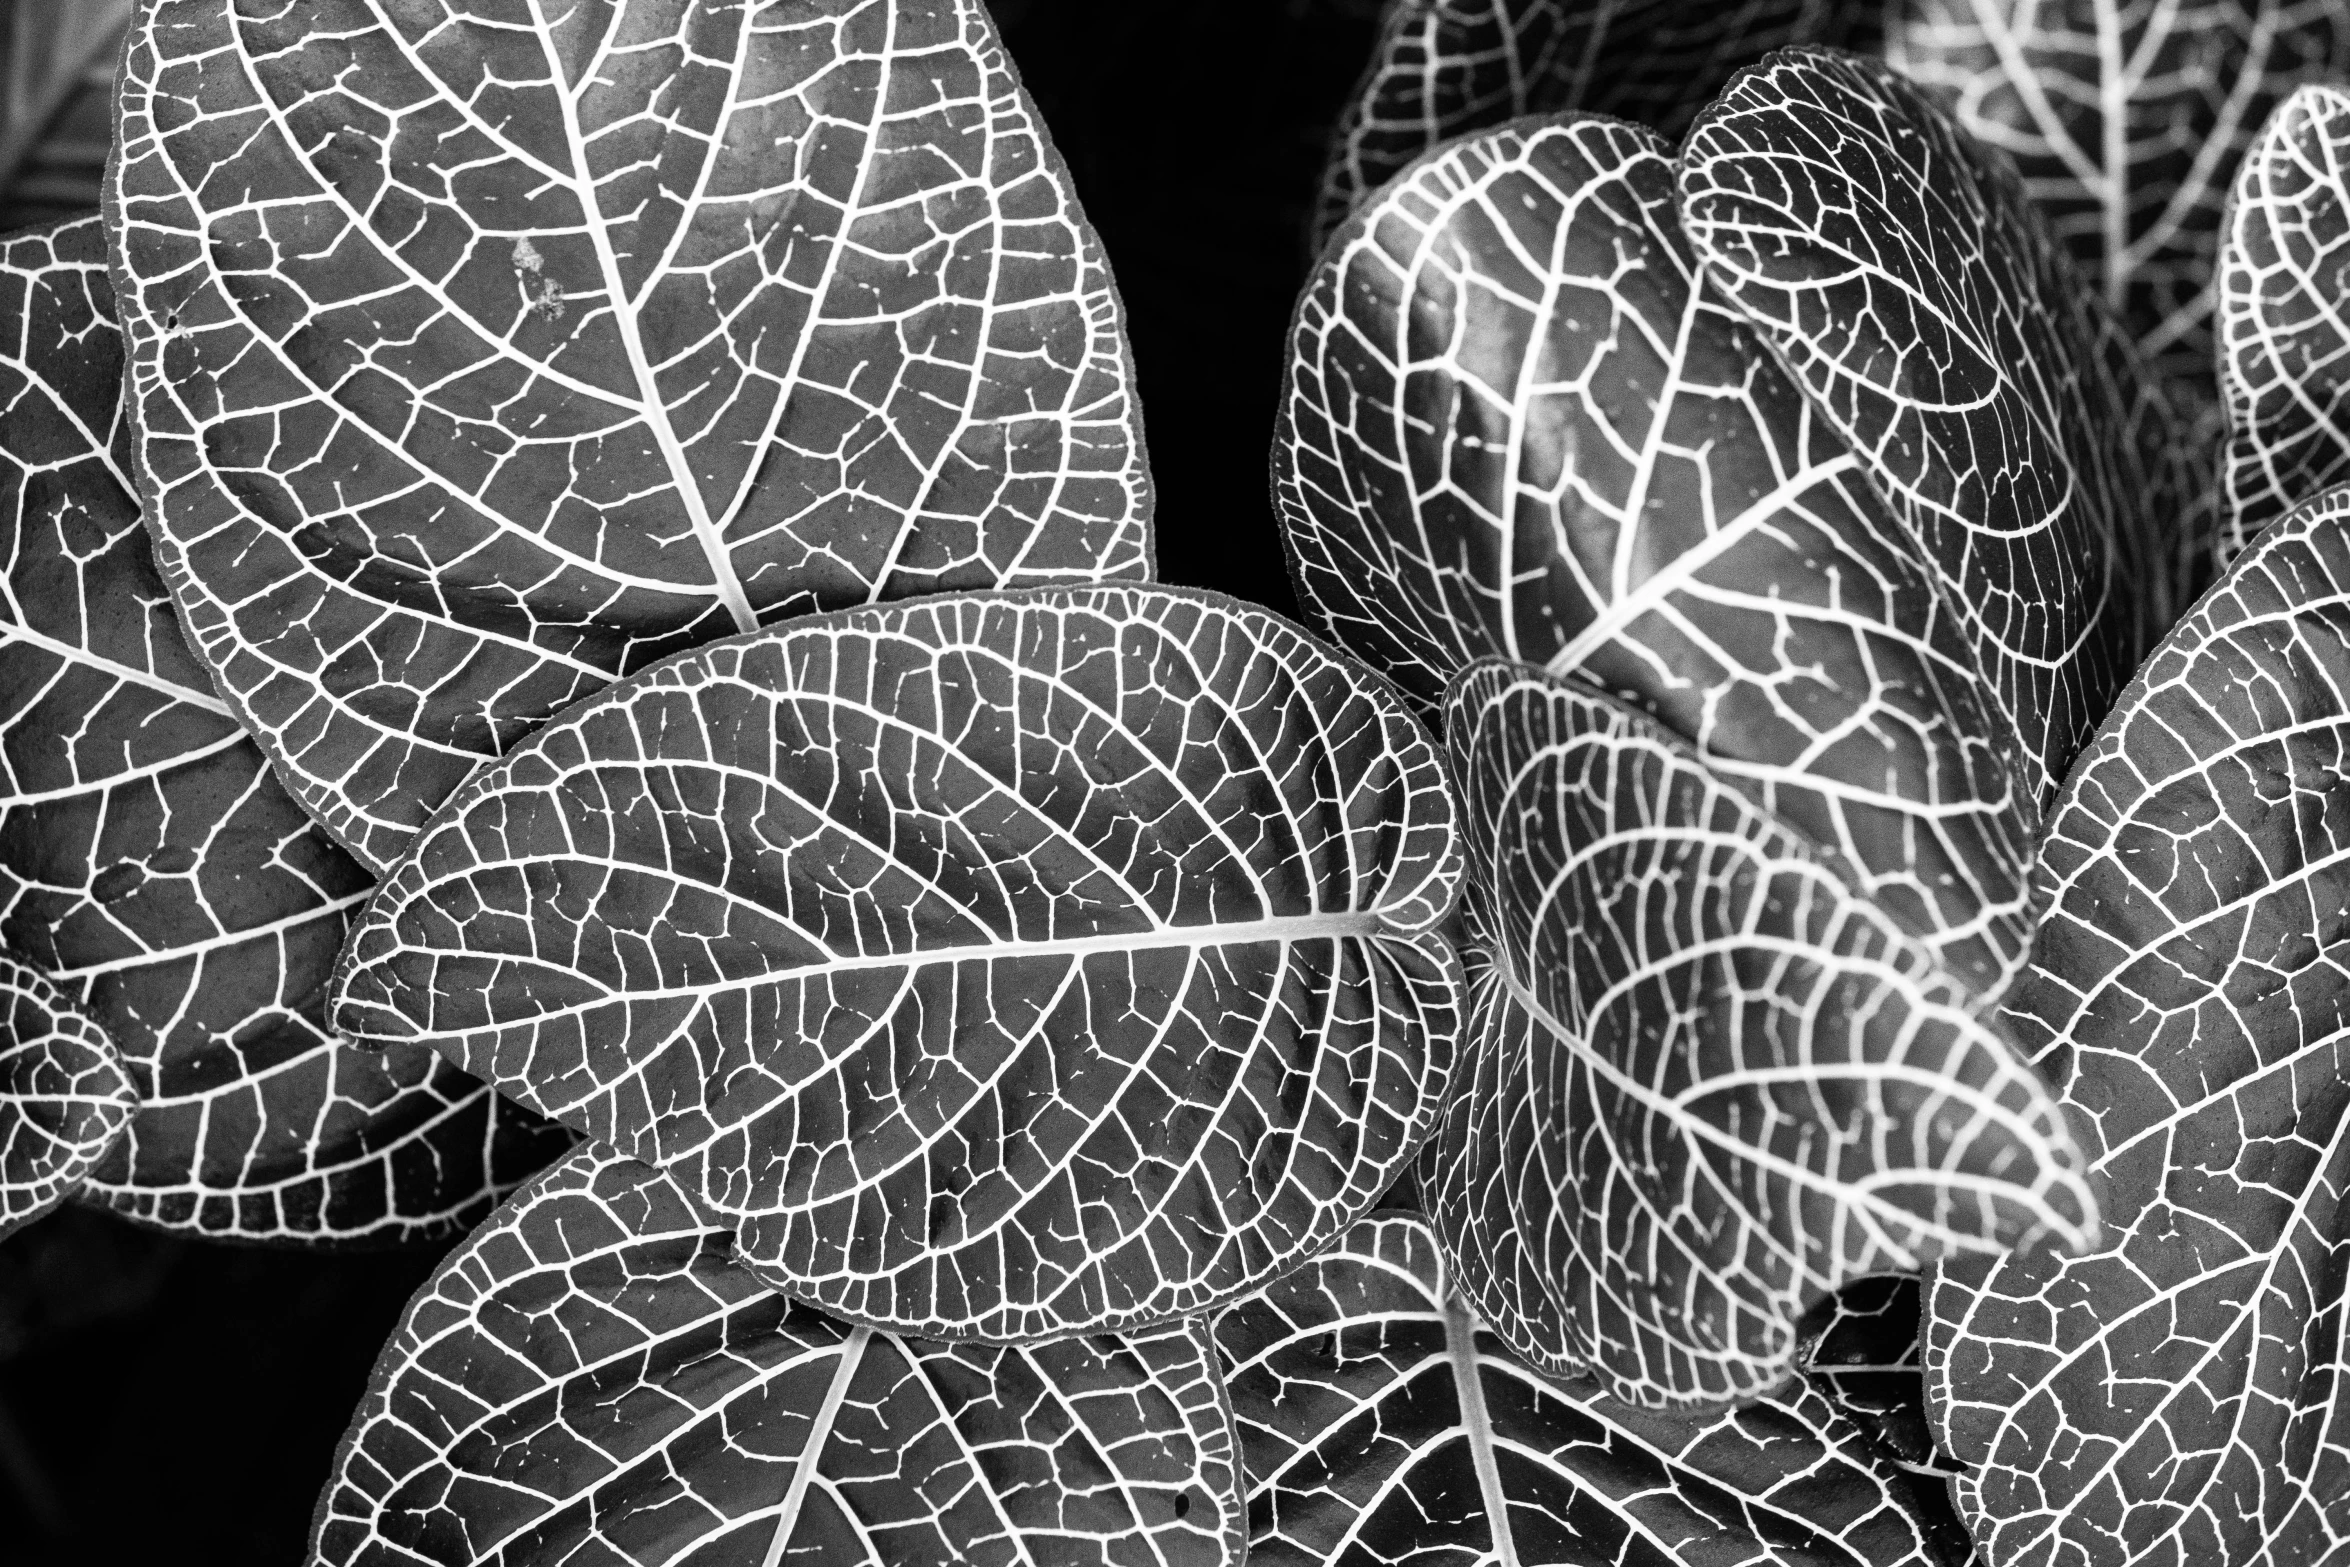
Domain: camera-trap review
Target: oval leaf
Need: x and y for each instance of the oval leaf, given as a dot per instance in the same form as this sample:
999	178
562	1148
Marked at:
64	1097
1896	268
2284	358
1010	965
151	863
478	364
1381	1425
1445	68
593	1377
1706	1082
57	61
1518	423
2127	122
2177	1394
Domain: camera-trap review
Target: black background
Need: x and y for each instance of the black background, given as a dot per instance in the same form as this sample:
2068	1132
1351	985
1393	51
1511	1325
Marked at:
164	1401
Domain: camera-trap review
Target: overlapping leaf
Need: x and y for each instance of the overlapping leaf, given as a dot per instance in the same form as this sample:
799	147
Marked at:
2181	1393
478	363
1862	1350
2127	119
56	75
1445	68
1007	965
1706	1083
64	1097
2284	342
1380	1426
149	861
1896	268
593	1377
1519	423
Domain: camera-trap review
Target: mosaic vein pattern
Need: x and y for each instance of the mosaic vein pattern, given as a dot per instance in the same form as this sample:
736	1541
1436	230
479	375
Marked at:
2127	119
1900	273
485	353
150	862
1705	1084
2284	360
593	1378
1006	966
2180	1394
1381	1425
64	1097
1863	1350
1517	423
1445	68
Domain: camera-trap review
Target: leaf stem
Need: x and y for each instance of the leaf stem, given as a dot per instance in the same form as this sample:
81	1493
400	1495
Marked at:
843	1374
1460	1342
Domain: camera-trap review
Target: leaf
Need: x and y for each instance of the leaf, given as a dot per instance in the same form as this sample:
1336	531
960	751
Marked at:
2284	356
1004	966
152	865
56	78
1518	423
1896	268
2127	122
1380	1424
1707	1083
478	364
593	1377
1860	1348
1448	68
63	1096
2178	1393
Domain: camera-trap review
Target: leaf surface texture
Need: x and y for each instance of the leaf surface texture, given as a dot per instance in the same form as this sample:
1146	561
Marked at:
1705	1082
64	1097
594	1377
1008	965
150	862
1518	423
2177	1394
479	363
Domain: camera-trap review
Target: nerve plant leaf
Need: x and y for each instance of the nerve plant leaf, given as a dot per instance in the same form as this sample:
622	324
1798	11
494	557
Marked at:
594	1377
150	862
1862	1349
1445	68
2180	1393
1380	1424
2284	358
481	361
1897	269
1706	1083
2127	121
1008	965
1518	423
64	1097
56	79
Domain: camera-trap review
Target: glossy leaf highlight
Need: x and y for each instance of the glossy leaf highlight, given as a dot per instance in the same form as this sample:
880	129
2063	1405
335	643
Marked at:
1706	1083
2180	1393
150	862
1007	966
477	364
594	1377
64	1097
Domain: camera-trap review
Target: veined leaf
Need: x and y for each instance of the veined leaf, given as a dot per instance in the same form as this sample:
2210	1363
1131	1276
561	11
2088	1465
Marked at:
149	861
1380	1424
1897	269
1862	1350
1519	423
1706	1082
2127	119
2179	1393
64	1097
56	78
479	362
1005	966
2284	355
593	1377
1445	68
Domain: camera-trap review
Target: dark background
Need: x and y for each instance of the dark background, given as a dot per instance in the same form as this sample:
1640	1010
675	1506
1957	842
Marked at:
165	1401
